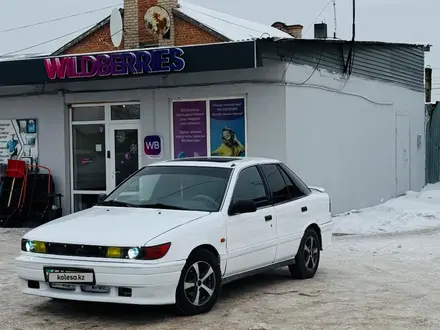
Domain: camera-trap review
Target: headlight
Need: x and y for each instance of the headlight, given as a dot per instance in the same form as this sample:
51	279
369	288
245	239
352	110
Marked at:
33	246
29	246
133	253
148	252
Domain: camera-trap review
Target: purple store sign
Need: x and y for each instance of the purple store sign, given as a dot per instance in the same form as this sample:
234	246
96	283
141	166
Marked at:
115	64
189	129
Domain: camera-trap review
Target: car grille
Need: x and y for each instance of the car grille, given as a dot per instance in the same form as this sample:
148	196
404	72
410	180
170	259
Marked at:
76	250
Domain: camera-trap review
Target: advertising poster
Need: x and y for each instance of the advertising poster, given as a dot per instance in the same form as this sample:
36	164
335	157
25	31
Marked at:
227	127
18	140
189	129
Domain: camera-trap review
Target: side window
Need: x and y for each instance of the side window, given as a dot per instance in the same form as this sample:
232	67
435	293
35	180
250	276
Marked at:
297	187
250	186
276	183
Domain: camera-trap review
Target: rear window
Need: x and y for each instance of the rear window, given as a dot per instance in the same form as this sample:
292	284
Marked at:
296	179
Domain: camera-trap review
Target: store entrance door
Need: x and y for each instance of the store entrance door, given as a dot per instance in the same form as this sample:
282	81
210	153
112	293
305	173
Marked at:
105	142
123	153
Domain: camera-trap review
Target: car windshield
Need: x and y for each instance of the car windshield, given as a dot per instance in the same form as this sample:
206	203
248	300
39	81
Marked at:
191	188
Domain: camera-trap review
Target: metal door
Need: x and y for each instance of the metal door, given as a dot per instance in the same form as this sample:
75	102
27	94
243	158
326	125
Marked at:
402	154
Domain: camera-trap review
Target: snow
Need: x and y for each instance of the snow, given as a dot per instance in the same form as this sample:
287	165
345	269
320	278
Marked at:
233	28
414	211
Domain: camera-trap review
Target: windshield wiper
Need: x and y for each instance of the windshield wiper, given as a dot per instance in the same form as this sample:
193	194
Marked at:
116	203
162	206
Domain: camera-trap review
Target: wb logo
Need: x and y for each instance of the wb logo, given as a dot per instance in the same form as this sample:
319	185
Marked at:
153	145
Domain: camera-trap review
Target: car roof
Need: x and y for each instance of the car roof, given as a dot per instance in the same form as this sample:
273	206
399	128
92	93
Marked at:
216	161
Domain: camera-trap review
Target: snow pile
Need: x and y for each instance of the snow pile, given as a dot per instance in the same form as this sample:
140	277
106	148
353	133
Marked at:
414	211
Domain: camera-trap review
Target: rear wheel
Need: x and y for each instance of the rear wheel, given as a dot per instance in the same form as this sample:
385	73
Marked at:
307	257
199	284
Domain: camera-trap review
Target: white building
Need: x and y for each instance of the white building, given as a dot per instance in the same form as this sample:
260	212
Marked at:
360	136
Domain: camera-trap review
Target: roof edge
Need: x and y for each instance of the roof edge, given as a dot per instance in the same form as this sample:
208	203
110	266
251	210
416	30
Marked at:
205	28
426	47
84	35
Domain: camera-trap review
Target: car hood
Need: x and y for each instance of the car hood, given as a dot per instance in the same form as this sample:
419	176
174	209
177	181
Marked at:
112	226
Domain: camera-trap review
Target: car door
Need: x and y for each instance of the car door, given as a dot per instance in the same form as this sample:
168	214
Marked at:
251	237
291	210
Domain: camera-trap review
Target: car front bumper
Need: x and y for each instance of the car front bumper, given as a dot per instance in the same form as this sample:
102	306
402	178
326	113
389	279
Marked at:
150	284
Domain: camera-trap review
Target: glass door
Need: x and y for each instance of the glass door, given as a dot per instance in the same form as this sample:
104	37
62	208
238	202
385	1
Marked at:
88	161
124	152
105	149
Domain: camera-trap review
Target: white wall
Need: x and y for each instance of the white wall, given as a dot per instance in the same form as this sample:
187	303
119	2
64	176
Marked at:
345	140
52	141
266	135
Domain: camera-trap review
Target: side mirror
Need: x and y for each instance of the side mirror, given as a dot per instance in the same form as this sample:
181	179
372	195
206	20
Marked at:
101	198
243	206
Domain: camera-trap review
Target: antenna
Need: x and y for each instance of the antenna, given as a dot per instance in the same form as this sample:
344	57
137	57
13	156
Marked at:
116	29
334	17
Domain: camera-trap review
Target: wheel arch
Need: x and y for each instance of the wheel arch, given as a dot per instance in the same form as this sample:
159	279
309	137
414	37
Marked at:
209	248
316	228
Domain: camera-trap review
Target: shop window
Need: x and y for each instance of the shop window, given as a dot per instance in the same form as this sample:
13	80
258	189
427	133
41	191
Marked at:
126	112
88	113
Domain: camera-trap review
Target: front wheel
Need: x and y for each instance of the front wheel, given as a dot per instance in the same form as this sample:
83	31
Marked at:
199	284
307	257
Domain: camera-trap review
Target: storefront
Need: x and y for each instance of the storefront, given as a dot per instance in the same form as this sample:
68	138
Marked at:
94	125
94	119
108	143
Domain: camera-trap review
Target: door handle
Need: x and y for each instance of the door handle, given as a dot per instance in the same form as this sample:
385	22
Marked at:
268	217
304	209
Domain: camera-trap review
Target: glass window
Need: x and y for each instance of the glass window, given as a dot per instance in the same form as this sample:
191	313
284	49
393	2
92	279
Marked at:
301	188
193	188
250	186
82	202
89	170
126	111
126	153
276	183
88	113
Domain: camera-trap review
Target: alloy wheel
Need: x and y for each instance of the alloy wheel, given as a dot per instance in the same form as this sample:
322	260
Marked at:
199	283
311	253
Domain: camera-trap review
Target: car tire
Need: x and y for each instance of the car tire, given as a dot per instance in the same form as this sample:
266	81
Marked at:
308	256
199	284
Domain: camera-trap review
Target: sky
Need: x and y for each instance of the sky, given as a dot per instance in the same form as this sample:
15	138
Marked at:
412	21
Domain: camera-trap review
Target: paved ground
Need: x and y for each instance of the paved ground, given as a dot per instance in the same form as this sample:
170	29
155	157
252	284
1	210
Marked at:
386	282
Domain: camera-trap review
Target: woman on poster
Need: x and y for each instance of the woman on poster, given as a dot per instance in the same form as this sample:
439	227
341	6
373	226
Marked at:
11	145
230	146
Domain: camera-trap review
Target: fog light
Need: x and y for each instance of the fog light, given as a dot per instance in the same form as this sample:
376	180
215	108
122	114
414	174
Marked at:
113	252
35	246
133	253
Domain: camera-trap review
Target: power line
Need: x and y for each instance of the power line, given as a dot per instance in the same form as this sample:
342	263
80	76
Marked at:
48	41
323	9
57	19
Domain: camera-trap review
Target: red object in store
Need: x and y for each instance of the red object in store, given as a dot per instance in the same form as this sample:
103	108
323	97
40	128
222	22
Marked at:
16	168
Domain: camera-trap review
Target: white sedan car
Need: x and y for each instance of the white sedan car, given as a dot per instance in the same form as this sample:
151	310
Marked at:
175	231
